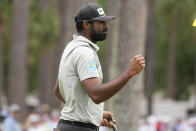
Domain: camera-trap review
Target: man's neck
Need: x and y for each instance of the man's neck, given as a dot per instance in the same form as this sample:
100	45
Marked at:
87	35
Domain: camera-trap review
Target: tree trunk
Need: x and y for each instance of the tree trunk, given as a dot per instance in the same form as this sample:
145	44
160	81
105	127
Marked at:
45	78
172	61
194	41
132	27
111	53
18	67
1	64
45	68
150	55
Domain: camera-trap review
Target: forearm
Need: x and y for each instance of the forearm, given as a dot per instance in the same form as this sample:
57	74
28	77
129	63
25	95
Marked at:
109	89
101	92
58	93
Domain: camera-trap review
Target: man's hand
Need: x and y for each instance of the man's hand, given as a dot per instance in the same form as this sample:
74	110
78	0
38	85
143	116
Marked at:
137	64
105	121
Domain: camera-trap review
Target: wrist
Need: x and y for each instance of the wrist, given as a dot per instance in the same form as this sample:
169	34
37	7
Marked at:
130	74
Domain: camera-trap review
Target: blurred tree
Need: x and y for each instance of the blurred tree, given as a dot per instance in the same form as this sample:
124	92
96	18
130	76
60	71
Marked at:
18	67
173	60
132	38
132	29
63	6
1	62
5	16
194	41
150	55
43	34
45	63
177	64
45	77
111	53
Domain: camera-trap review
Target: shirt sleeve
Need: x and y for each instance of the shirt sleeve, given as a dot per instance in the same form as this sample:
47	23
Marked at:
86	64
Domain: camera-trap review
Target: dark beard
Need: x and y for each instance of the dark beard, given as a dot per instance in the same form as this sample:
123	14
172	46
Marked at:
98	36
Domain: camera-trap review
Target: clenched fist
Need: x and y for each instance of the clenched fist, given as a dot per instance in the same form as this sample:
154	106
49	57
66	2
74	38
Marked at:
137	64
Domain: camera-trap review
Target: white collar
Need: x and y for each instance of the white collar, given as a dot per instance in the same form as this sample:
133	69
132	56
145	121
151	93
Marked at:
80	37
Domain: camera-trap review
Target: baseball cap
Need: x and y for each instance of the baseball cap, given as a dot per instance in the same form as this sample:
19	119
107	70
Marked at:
194	23
91	12
14	108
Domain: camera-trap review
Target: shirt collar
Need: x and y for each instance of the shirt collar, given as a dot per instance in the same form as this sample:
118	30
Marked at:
80	37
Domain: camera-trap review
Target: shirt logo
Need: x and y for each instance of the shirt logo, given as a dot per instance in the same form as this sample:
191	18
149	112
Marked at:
92	65
100	11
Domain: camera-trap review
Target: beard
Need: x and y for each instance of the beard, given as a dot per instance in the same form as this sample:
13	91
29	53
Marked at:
98	36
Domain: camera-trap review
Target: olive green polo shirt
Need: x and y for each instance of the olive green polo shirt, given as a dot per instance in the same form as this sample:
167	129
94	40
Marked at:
79	61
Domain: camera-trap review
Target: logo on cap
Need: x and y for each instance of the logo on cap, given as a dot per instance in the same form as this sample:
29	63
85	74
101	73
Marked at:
100	11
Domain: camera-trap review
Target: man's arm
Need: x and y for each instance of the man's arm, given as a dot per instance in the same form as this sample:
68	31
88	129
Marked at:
58	93
99	92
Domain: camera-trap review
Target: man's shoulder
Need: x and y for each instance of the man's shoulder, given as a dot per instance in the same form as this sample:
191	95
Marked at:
73	45
83	51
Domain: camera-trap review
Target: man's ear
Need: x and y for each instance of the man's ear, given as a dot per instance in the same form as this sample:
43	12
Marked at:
86	25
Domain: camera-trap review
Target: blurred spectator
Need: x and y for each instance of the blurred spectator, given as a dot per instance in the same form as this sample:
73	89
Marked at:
145	126
55	117
35	123
45	111
10	123
177	125
35	111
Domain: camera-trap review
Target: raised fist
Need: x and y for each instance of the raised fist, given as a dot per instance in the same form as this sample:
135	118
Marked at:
137	64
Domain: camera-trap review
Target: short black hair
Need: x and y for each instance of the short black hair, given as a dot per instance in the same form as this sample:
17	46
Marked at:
79	25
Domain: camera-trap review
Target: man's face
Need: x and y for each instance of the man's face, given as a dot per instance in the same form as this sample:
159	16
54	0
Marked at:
98	31
16	115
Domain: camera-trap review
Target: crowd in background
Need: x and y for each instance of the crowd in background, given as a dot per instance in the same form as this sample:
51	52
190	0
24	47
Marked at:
164	123
41	118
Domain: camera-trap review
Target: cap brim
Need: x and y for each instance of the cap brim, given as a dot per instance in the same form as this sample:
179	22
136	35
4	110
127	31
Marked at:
105	18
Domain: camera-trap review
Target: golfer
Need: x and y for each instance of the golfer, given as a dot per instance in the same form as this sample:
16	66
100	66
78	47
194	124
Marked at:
79	84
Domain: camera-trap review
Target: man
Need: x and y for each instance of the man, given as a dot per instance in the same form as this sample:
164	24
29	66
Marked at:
79	81
10	123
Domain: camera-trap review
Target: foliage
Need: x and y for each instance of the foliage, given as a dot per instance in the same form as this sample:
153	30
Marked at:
170	12
43	34
5	14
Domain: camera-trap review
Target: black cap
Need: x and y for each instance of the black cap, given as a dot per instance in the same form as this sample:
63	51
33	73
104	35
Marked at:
91	12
